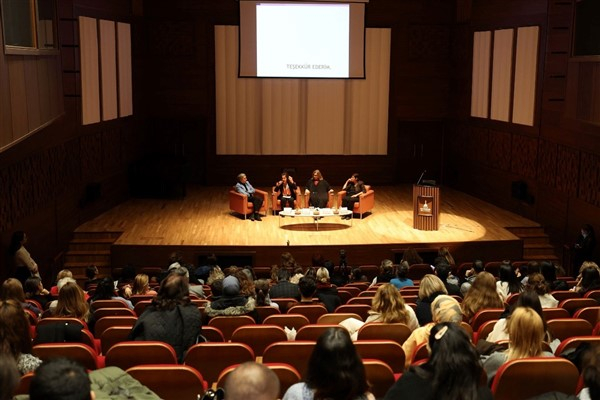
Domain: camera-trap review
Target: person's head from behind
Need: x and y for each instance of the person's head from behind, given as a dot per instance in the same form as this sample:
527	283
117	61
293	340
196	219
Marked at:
389	303
531	299
141	284
12	289
307	286
445	252
322	275
526	333
262	287
443	271
386	267
91	272
403	270
174	290
283	274
431	284
590	275
63	273
506	273
482	294
538	284
411	256
252	381
549	271
591	370
105	290
60	379
9	377
335	370
445	308
33	286
71	302
453	365
478	266
15	338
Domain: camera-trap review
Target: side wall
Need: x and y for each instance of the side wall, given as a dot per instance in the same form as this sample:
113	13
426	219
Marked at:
558	159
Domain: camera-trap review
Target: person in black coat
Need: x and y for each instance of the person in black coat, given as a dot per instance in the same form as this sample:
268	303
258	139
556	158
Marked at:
430	287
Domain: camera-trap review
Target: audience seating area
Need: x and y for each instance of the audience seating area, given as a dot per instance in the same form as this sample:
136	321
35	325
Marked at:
235	340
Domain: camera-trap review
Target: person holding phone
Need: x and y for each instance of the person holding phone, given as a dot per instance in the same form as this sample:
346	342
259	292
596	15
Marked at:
286	190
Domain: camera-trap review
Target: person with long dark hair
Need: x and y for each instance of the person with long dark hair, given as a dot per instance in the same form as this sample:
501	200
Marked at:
335	371
24	265
106	291
508	283
453	371
589	278
15	336
171	318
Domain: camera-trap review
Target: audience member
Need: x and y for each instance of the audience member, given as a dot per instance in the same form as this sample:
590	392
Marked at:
232	302
106	291
549	272
528	299
308	289
589	278
443	271
195	290
297	274
386	273
538	284
171	317
453	370
91	273
508	283
526	336
252	381
401	279
215	274
532	267
141	286
470	276
9	377
71	303
583	249
15	336
430	287
34	290
60	379
59	285
23	263
13	290
262	294
283	287
591	374
326	292
481	295
356	275
246	280
411	256
63	273
444	252
388	306
443	309
335	371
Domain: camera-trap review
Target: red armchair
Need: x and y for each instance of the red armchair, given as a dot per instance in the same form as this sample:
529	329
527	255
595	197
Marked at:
239	202
365	203
276	203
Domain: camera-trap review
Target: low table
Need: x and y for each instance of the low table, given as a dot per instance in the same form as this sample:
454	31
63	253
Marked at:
310	213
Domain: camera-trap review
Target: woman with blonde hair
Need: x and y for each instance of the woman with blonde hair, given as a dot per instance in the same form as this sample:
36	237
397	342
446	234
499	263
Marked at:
326	292
526	336
71	303
388	306
481	295
430	287
445	253
318	190
141	285
443	309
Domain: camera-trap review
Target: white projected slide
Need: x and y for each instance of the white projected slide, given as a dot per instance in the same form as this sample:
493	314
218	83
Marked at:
308	40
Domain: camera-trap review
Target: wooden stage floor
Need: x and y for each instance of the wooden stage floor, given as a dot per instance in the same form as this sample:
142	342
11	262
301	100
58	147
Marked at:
201	223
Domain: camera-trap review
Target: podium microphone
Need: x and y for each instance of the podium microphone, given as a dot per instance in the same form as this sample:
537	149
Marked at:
421	177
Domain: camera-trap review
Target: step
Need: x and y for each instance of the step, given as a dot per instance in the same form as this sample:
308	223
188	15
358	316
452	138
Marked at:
547	257
89	246
89	256
540	250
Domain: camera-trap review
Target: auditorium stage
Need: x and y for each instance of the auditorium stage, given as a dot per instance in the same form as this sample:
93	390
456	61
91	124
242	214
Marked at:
201	223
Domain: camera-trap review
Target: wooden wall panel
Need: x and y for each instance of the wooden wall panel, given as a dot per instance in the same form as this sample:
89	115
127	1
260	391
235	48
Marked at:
589	179
566	170
32	93
90	73
499	148
91	156
18	97
524	155
547	163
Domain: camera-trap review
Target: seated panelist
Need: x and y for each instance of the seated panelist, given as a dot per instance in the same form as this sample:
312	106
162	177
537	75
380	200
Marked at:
286	190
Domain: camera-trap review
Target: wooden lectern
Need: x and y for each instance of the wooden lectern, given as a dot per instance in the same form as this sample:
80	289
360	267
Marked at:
426	207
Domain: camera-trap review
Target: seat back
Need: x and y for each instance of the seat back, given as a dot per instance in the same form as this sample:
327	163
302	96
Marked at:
361	300
561	295
310	311
296	353
574	341
418	271
113	335
287	374
360	309
130	354
336	318
564	328
590	314
113	311
140	306
228	324
54	320
397	332
24	383
484	330
106	322
344	295
170	381
554	313
258	337
359	285
485	315
367	293
212	334
530	377
108	304
388	351
285	303
380	376
212	358
313	331
265	311
572	305
82	353
296	321
421	352
493	267
593	294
